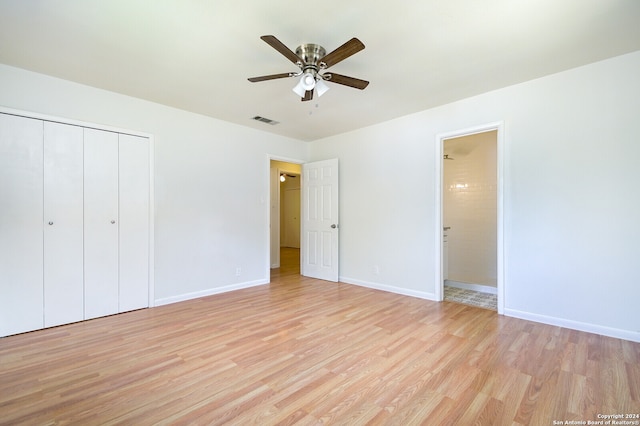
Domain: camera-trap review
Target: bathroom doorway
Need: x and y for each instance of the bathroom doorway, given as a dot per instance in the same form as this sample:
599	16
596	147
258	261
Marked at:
471	218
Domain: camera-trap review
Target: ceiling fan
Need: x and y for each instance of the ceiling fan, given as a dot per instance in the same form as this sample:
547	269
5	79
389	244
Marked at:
312	59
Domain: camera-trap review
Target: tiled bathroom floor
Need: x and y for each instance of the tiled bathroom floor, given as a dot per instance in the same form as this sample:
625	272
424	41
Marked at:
470	297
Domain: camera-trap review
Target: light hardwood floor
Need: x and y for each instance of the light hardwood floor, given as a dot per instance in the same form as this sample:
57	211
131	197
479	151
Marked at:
313	352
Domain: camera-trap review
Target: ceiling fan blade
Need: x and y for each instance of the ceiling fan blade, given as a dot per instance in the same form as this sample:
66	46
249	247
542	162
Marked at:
308	95
347	81
280	47
271	77
351	47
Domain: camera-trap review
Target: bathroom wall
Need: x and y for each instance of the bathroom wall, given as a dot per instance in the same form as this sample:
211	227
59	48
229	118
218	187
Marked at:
470	208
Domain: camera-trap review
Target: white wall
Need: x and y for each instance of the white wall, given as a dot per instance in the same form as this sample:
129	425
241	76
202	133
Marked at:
470	208
571	203
211	181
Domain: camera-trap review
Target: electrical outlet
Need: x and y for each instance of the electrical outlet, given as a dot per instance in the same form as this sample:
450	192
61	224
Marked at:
238	271
376	269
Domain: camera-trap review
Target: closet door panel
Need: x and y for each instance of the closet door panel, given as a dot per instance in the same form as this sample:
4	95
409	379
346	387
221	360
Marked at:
21	210
101	223
134	222
63	234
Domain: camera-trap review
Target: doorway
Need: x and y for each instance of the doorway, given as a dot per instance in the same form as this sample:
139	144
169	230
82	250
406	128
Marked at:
290	210
318	218
469	195
285	215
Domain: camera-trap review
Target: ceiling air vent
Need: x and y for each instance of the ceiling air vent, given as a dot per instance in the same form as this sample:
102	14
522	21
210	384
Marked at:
265	120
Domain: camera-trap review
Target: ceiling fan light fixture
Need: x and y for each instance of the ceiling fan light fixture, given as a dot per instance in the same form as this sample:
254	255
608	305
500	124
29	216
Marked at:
321	87
308	80
298	89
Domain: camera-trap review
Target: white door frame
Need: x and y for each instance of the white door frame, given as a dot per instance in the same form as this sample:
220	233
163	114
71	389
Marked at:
438	166
271	186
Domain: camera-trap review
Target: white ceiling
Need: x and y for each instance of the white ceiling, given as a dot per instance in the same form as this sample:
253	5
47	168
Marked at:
197	54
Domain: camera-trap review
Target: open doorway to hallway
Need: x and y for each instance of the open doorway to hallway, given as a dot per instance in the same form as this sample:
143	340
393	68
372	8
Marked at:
285	218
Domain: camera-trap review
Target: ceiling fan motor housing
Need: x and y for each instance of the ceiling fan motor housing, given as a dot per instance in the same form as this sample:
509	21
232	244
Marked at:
310	53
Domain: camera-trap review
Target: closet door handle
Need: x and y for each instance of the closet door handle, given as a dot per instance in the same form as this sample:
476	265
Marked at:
113	221
50	223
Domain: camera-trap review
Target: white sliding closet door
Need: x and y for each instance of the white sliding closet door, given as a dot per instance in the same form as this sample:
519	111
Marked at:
63	236
100	223
134	222
75	222
21	292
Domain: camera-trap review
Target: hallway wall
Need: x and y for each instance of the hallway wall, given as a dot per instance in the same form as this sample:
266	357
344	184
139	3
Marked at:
290	212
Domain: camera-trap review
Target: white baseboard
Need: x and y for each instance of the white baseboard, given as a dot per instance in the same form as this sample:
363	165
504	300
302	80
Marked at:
388	288
633	336
208	292
468	286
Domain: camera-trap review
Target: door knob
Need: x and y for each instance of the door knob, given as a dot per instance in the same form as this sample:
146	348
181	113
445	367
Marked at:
50	223
113	221
334	226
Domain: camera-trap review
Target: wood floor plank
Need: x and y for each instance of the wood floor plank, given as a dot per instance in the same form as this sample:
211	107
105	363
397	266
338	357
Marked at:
303	351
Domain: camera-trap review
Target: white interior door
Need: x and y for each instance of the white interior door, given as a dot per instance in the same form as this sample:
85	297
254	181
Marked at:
100	223
320	230
63	233
21	204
